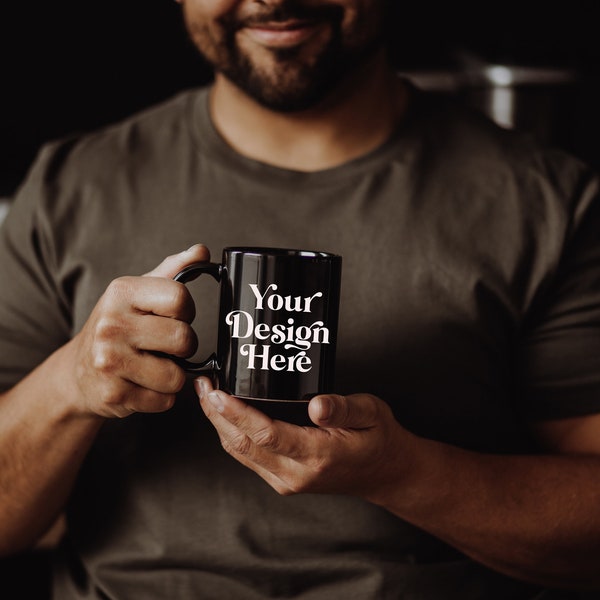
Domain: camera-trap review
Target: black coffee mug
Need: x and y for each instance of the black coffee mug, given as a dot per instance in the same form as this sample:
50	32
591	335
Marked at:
278	320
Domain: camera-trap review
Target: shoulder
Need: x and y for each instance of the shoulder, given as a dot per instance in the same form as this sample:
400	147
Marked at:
498	203
100	179
101	166
470	157
138	140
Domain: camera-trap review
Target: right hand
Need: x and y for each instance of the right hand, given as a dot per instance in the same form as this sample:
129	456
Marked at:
116	371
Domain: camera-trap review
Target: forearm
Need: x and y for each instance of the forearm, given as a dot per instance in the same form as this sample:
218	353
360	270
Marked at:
109	369
43	441
532	517
535	518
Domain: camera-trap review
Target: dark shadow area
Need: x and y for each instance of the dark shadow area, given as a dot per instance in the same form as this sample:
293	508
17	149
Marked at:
69	67
26	576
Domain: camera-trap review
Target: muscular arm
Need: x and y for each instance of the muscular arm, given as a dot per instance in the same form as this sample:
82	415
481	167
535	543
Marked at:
49	420
535	517
43	440
531	517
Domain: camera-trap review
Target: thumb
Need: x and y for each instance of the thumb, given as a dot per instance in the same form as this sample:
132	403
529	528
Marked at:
358	411
171	265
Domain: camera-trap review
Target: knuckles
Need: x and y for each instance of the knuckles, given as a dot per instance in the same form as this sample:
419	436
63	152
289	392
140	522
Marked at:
105	358
119	289
173	298
110	362
267	438
239	444
108	327
244	445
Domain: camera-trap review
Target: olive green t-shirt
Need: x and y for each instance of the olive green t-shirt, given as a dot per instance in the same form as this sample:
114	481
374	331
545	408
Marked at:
470	303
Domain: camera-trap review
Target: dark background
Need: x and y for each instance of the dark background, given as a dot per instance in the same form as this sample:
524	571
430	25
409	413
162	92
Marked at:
72	66
75	66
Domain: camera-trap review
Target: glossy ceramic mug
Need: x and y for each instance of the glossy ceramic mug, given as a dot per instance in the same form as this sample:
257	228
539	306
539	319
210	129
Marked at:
277	331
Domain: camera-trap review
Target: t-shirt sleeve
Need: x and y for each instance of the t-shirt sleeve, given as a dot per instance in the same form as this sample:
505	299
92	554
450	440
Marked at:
34	311
559	358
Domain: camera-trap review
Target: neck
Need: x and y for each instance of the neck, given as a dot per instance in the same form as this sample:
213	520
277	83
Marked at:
354	120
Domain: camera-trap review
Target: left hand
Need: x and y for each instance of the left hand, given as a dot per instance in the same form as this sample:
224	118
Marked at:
358	449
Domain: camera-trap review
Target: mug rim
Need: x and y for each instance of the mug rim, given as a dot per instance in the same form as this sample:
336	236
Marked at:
279	252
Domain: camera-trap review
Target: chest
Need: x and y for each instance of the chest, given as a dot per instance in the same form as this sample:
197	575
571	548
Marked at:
428	327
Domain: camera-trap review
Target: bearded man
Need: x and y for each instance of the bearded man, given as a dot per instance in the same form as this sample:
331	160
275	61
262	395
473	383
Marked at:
459	455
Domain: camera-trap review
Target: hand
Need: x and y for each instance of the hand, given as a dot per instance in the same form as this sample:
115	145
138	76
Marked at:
116	371
356	450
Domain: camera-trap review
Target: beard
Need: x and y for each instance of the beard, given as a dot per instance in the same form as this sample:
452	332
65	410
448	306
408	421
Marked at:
291	84
287	79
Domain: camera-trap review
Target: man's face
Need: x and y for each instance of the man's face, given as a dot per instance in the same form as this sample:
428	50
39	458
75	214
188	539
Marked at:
286	54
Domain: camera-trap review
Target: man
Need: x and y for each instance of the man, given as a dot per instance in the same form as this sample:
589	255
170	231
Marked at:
470	311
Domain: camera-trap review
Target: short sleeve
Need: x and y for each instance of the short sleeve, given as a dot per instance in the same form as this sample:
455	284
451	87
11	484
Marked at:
559	359
34	314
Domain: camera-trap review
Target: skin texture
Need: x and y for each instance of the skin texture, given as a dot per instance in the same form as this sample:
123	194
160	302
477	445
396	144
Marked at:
50	419
356	106
286	55
532	517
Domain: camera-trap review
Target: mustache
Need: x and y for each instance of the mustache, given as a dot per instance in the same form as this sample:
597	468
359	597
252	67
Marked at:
290	11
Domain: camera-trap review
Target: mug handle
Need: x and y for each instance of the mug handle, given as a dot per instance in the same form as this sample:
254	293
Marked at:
190	273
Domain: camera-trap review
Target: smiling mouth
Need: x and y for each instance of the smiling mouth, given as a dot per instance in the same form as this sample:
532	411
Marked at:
283	34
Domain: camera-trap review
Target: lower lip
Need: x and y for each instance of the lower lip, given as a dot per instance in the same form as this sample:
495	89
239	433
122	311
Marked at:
281	38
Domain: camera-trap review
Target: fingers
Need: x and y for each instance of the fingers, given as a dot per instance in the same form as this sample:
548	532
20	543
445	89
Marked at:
150	372
247	431
115	367
112	326
171	265
339	457
359	411
139	400
116	380
251	446
156	296
159	294
169	336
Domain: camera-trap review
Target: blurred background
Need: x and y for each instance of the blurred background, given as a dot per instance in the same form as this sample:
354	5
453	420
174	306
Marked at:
73	66
70	67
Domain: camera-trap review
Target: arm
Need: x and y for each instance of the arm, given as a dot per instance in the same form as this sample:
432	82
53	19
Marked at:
531	517
43	441
534	517
50	419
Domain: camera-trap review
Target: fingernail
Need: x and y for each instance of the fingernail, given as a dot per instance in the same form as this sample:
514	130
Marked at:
217	402
325	408
201	387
